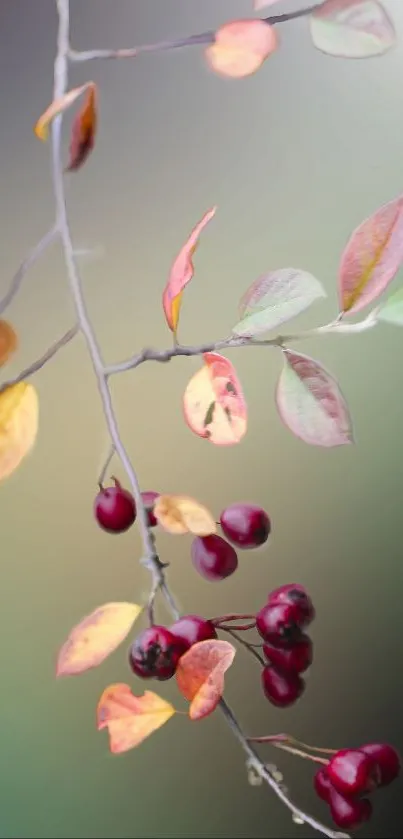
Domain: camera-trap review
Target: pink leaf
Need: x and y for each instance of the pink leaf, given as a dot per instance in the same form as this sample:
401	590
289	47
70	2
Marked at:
310	403
351	28
372	257
213	402
240	47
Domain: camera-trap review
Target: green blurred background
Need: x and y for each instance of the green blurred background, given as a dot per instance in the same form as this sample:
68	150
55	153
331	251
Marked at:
295	157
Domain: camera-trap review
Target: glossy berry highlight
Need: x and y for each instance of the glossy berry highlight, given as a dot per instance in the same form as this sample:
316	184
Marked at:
296	658
213	557
348	813
352	772
295	595
114	508
387	760
155	653
277	624
280	688
245	525
191	629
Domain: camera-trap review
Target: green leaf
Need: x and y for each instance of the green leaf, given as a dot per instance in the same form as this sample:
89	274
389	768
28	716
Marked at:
392	309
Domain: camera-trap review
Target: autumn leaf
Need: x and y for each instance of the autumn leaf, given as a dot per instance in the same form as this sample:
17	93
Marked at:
130	719
19	417
200	675
8	341
351	28
181	273
180	514
83	131
213	403
310	403
58	106
276	298
372	257
240	47
96	637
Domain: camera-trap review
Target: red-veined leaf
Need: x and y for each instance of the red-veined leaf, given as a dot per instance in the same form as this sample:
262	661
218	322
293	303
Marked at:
276	298
310	403
57	107
130	719
240	47
352	28
200	675
96	637
213	403
181	273
181	514
372	257
83	131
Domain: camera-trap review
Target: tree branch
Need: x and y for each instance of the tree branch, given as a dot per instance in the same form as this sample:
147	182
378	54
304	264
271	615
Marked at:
29	260
40	362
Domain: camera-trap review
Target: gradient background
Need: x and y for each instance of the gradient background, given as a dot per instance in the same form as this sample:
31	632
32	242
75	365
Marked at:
295	157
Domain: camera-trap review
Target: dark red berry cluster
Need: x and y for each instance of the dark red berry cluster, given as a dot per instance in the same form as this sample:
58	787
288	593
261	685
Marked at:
245	526
352	774
287	648
155	653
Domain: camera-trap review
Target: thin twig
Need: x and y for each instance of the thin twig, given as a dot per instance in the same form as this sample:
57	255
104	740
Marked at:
40	362
110	455
29	260
244	643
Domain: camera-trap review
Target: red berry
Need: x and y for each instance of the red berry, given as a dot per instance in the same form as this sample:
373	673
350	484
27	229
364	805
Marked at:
115	508
281	689
149	499
352	772
349	813
387	758
192	628
277	624
296	658
322	784
213	557
246	525
155	653
295	595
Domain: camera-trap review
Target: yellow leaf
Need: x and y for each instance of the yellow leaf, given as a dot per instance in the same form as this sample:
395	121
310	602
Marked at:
19	415
8	341
130	719
181	514
58	106
96	637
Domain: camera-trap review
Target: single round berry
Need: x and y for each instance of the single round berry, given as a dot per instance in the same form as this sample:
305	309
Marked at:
276	624
387	759
213	557
114	508
281	689
296	658
349	813
322	784
352	772
246	525
149	499
155	653
295	595
191	629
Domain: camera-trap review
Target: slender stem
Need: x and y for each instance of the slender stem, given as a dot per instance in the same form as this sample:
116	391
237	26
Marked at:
109	458
40	362
230	618
251	649
288	740
29	260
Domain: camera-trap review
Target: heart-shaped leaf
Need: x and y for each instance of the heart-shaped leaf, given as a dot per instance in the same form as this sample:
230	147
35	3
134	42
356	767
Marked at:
130	719
372	257
213	403
19	418
240	47
83	131
180	514
276	298
96	637
392	309
352	28
200	675
310	403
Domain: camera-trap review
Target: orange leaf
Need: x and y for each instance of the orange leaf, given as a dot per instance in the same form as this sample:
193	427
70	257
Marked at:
180	514
130	719
58	106
200	675
241	47
8	341
181	273
83	131
213	403
95	637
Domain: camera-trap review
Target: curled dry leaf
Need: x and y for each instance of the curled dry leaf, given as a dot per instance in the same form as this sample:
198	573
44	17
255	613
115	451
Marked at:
181	273
352	28
276	298
180	514
19	417
392	309
240	47
58	106
83	131
8	341
372	257
213	403
130	719
96	637
310	403
200	675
